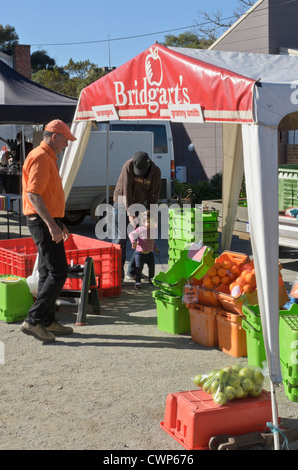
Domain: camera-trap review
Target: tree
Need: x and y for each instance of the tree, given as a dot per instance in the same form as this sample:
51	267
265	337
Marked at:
55	79
210	27
40	60
68	80
8	38
186	39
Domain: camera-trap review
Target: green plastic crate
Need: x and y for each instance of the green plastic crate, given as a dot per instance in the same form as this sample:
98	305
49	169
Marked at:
214	247
256	354
290	382
178	244
291	391
172	315
287	186
15	299
288	342
207	216
186	235
185	224
210	237
173	280
252	315
210	226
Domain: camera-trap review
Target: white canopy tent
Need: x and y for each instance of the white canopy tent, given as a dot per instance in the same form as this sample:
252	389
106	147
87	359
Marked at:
251	94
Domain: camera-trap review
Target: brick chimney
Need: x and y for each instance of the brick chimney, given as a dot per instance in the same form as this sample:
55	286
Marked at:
22	60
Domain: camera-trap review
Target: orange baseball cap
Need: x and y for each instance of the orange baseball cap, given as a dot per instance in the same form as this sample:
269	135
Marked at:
60	127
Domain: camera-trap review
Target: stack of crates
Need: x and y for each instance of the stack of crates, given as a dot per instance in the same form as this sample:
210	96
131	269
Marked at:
191	225
251	323
287	186
288	340
288	333
172	313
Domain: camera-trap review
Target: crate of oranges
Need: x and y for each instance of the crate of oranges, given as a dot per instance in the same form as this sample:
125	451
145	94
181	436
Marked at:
230	283
217	281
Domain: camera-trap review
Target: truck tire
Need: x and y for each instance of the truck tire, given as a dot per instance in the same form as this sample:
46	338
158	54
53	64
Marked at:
74	217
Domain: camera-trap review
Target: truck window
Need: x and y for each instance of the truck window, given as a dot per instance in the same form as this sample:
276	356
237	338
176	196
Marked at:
159	134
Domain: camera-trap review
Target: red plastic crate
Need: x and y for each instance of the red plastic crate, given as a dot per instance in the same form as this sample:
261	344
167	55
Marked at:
192	417
18	255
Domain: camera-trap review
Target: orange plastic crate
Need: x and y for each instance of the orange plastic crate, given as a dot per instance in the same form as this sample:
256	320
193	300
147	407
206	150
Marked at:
231	335
17	256
203	325
192	417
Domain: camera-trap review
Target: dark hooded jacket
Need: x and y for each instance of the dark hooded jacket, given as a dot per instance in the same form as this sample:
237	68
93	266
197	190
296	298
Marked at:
138	189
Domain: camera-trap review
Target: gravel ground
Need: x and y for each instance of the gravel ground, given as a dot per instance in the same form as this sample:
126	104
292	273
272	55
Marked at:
105	387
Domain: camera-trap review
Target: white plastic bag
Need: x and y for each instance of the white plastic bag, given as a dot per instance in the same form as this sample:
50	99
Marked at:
32	282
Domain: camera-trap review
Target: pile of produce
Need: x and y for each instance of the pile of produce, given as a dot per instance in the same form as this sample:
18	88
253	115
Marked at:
231	382
230	278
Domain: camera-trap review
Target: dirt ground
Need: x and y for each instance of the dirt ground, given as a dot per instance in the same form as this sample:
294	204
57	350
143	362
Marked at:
105	386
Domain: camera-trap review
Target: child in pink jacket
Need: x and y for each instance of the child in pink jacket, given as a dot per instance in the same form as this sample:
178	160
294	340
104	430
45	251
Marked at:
143	241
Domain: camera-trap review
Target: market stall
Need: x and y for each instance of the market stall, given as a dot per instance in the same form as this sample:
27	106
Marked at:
24	102
251	94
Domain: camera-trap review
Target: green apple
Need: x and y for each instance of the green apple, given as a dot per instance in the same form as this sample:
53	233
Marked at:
219	398
228	369
198	380
229	392
214	387
247	384
258	377
222	375
239	392
236	367
234	380
246	373
256	391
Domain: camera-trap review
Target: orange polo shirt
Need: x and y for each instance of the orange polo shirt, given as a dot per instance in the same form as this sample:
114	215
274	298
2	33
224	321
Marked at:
41	176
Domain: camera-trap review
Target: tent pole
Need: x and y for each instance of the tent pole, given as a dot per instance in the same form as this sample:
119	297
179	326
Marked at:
107	167
274	417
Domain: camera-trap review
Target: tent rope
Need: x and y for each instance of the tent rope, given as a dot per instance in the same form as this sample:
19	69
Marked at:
276	429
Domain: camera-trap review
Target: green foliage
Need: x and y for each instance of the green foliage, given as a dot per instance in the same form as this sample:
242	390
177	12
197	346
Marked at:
186	39
202	190
205	190
40	60
68	80
8	38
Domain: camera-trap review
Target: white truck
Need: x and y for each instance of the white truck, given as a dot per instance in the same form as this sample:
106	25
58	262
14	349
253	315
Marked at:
125	138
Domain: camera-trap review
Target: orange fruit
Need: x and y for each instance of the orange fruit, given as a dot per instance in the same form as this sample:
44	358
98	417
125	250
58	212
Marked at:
225	280
247	288
216	280
234	269
207	281
216	265
211	272
250	279
221	272
232	285
226	264
240	281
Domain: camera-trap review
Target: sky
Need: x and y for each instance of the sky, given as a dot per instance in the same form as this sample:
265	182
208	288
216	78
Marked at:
108	33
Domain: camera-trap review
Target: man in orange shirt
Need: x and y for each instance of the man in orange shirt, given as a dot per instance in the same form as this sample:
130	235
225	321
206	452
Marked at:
43	206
